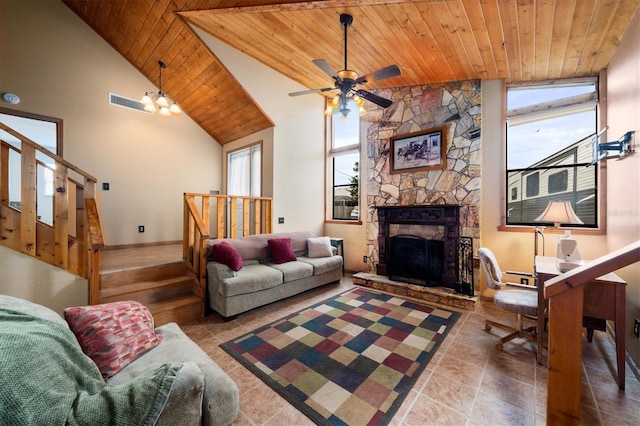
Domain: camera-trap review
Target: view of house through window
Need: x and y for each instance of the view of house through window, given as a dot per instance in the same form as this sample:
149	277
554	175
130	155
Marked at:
345	165
550	132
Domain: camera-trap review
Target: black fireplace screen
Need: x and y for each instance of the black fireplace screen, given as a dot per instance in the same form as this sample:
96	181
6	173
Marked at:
416	260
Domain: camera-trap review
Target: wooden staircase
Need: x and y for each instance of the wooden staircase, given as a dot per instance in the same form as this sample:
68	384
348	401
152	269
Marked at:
172	286
167	289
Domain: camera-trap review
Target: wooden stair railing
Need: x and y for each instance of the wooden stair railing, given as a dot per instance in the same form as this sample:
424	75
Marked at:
565	294
74	239
256	218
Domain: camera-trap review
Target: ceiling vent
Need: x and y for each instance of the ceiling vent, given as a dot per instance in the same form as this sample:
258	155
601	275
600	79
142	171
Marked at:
123	102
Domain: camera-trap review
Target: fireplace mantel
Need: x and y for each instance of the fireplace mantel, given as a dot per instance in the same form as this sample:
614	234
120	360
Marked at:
431	215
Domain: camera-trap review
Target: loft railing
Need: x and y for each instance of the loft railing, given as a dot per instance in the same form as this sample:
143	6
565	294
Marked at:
34	182
209	216
566	296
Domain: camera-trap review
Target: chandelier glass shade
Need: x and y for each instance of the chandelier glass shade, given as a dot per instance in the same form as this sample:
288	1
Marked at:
159	101
340	103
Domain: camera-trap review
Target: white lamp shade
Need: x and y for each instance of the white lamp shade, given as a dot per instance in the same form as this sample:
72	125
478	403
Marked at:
559	212
175	109
162	101
164	111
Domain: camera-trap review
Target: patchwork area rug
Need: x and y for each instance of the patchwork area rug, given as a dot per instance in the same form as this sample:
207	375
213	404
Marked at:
349	360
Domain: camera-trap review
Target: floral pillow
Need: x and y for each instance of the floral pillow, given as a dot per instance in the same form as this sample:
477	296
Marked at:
113	334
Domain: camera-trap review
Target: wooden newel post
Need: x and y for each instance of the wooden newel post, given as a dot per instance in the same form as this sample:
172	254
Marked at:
565	354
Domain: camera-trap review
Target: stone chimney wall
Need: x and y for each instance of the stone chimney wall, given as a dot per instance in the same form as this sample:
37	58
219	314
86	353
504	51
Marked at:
455	105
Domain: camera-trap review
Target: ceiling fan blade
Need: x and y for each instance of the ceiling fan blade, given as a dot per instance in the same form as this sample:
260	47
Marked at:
378	100
324	66
381	74
306	92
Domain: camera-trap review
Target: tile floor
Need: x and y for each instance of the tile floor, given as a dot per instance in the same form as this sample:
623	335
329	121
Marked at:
468	382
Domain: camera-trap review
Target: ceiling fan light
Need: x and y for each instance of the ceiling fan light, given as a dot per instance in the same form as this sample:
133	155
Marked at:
175	109
334	102
150	108
328	112
164	111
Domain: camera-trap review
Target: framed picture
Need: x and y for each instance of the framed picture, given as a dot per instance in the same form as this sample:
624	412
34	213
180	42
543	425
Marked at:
424	150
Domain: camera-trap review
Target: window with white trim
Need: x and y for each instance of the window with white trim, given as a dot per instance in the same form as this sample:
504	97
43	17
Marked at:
344	166
550	130
243	171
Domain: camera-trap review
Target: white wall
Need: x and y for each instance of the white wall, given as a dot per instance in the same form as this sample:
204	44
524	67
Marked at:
297	143
40	282
61	68
623	188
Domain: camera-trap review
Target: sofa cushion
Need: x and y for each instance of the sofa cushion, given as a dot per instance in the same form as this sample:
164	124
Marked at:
249	279
319	247
113	334
221	397
281	250
225	253
322	264
292	271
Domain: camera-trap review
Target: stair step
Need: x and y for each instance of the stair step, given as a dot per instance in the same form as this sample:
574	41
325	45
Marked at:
150	291
118	278
179	310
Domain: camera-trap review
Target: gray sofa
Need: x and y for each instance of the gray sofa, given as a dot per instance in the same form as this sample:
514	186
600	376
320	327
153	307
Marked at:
260	281
201	393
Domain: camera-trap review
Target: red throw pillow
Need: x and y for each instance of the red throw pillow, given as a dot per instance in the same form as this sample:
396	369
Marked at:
113	334
225	253
281	250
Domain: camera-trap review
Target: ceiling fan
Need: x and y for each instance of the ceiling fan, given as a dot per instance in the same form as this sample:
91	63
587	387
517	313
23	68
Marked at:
347	81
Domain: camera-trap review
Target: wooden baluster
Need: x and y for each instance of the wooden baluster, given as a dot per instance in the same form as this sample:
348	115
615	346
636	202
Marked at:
233	218
246	212
221	203
28	201
61	216
4	175
257	216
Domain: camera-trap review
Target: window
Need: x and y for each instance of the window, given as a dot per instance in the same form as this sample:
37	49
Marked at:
550	129
243	172
46	132
244	178
345	166
558	182
533	184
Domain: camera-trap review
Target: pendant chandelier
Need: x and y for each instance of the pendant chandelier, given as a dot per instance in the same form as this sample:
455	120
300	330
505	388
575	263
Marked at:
160	101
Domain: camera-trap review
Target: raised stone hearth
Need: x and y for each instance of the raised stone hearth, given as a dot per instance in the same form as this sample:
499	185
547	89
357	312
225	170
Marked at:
441	295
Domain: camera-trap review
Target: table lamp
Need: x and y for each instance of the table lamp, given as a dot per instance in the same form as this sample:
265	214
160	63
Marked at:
557	212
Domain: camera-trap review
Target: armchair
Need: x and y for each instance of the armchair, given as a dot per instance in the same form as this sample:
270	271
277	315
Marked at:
522	301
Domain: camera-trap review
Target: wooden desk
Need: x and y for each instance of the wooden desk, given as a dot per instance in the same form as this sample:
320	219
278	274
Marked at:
604	299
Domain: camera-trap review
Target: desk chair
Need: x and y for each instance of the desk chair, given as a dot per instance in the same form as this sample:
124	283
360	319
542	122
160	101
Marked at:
523	301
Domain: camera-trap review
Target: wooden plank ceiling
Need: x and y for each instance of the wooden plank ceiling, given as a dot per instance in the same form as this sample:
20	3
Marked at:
431	41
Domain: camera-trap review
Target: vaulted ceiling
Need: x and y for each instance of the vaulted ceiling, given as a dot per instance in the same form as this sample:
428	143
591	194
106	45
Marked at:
432	41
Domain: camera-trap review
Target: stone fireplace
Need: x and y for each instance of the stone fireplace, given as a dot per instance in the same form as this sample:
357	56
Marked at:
437	204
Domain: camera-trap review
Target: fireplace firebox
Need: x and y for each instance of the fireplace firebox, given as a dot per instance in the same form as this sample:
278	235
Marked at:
416	260
423	261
